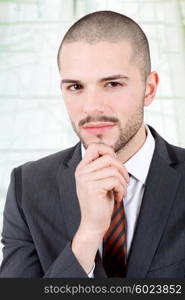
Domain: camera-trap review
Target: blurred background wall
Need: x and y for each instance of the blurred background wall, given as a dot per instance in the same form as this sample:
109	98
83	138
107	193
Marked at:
33	119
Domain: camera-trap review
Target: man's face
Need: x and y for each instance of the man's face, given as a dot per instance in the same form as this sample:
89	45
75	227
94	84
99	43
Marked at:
103	90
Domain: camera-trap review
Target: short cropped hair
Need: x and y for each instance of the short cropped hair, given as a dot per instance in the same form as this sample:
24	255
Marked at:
112	27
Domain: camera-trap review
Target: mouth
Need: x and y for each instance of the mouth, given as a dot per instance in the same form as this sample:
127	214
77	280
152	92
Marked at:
98	127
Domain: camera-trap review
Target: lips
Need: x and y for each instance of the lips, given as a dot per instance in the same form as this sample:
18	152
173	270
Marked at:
98	127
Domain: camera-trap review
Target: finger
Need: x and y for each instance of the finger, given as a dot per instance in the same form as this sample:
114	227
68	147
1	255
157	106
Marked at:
113	184
96	150
105	161
106	173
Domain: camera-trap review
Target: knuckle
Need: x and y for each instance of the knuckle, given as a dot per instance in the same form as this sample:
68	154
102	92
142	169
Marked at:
108	158
117	175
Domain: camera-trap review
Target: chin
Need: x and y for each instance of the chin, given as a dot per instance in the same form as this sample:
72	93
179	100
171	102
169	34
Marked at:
98	139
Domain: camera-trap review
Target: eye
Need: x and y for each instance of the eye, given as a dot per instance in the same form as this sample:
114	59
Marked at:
113	84
74	87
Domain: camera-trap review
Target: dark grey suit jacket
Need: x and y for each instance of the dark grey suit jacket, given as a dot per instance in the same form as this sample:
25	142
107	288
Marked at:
42	215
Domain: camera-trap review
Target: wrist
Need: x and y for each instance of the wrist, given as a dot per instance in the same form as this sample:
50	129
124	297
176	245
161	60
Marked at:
85	245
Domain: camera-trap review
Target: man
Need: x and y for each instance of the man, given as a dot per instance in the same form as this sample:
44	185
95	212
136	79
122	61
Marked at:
114	204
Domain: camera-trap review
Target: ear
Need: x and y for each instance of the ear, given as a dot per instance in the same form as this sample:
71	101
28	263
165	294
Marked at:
151	88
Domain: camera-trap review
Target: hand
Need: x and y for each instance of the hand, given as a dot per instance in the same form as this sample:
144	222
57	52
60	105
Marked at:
100	178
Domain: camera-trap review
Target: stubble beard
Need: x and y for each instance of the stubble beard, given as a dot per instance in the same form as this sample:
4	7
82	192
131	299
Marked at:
126	133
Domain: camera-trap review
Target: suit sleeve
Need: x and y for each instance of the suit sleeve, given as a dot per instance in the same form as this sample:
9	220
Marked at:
20	258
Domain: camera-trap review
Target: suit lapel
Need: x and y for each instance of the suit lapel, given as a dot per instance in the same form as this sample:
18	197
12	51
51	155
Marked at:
67	189
160	190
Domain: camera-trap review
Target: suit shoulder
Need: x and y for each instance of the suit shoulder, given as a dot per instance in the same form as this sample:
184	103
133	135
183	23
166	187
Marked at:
48	163
177	153
177	158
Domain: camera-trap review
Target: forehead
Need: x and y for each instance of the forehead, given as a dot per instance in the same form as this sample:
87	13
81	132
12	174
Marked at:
78	57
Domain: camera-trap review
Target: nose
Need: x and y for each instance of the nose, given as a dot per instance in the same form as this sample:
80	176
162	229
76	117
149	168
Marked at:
93	102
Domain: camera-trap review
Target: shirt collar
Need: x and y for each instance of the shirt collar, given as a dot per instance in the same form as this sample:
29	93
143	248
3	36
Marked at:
138	165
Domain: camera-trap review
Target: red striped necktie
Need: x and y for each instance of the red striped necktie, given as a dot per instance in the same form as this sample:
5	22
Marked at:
114	243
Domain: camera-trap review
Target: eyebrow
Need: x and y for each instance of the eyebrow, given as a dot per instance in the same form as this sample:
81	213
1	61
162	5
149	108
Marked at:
112	77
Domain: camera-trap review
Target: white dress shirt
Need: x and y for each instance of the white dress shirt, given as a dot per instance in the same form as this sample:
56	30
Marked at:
138	167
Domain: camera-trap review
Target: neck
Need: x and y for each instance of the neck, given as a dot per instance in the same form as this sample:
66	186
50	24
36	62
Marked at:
133	145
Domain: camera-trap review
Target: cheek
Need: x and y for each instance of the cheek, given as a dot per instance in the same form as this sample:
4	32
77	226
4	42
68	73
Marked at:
124	102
